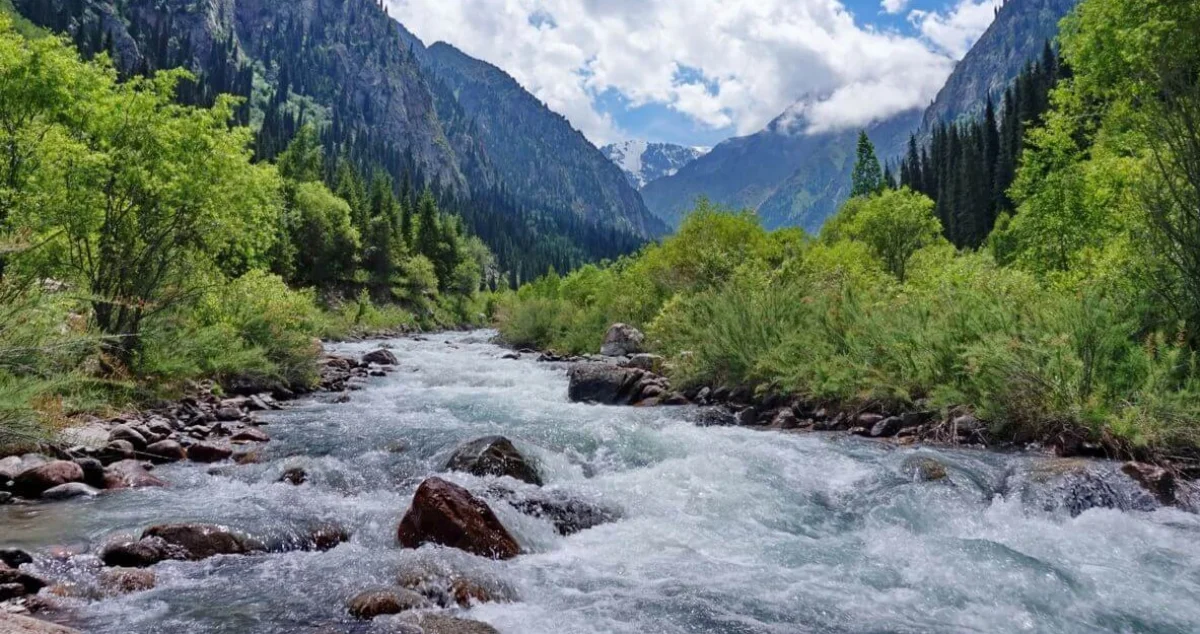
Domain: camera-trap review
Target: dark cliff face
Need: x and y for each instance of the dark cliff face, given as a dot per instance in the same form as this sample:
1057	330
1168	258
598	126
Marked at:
798	179
1018	35
537	153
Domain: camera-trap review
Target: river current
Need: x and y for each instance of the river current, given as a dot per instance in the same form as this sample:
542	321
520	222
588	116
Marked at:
721	530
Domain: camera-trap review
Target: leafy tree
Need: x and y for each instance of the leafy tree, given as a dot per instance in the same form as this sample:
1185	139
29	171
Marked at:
328	243
895	225
867	177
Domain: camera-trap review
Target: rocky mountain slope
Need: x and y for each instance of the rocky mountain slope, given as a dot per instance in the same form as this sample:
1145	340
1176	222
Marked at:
644	162
793	178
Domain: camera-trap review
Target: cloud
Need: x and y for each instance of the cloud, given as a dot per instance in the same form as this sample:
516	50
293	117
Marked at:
956	32
893	6
724	64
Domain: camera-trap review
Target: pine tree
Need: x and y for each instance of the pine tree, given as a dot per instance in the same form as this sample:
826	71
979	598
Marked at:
867	177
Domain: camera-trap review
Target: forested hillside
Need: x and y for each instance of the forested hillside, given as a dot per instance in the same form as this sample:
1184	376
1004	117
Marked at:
1074	324
351	71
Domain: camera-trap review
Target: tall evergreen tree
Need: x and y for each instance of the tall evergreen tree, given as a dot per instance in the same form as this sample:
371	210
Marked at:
867	178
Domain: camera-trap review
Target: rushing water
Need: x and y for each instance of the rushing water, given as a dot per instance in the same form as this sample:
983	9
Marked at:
722	529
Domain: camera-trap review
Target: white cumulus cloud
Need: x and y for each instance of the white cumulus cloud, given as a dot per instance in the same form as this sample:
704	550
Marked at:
894	6
731	64
956	31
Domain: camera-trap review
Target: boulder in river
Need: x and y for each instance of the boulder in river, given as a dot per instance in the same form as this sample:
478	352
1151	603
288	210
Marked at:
568	514
208	452
201	541
373	603
923	469
141	554
70	491
381	356
15	557
448	584
433	623
1075	485
603	384
1157	480
30	583
130	474
128	434
118	581
622	340
17	624
493	456
32	482
447	514
116	451
166	451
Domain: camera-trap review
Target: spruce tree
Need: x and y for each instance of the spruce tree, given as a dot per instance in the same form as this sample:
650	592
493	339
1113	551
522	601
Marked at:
867	178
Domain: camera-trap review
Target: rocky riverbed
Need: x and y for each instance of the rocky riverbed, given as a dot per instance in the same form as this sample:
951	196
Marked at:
447	485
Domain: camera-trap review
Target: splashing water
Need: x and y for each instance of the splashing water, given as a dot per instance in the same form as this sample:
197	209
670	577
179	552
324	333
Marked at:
722	530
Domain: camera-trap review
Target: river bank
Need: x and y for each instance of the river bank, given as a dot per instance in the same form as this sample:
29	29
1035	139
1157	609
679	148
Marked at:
713	529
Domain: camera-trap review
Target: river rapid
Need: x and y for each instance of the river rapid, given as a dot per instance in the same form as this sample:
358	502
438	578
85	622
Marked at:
721	530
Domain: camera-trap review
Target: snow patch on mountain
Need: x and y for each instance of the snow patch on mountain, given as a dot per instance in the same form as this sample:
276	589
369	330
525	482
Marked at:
644	162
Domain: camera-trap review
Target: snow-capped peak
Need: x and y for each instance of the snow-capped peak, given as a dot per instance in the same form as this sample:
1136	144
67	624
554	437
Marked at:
644	162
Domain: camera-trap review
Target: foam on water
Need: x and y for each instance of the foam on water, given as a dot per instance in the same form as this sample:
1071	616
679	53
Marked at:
723	530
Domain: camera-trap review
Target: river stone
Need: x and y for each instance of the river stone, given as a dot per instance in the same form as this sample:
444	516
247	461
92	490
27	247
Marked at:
166	451
15	557
32	584
622	340
1075	485
69	491
118	581
603	384
381	356
448	584
923	469
441	624
250	434
373	603
493	456
202	541
208	452
93	472
128	434
294	476
10	468
116	451
17	624
647	362
140	554
32	482
5	497
1158	481
130	474
447	514
10	591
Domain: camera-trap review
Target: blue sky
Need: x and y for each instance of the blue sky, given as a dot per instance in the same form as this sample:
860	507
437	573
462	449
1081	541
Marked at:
700	71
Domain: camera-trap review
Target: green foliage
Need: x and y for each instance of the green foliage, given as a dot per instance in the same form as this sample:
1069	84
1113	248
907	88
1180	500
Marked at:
894	225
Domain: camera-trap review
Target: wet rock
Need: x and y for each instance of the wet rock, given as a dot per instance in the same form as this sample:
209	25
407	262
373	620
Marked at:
32	482
10	468
17	624
10	591
128	434
785	419
603	384
647	362
140	554
32	584
747	417
380	357
93	472
493	456
1076	485
715	417
201	541
447	514
569	515
511	356
441	624
447	586
1158	481
248	457
118	581
250	434
69	491
130	474
622	340
295	476
923	469
6	497
208	452
887	427
116	451
165	451
228	414
373	603
868	419
15	557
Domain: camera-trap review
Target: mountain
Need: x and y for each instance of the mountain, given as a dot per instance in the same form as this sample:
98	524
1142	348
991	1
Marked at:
644	162
520	176
794	178
536	151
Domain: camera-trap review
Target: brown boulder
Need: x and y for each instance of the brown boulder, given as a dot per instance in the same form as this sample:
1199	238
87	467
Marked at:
441	624
118	581
130	474
16	624
166	451
1156	480
493	456
140	554
32	584
208	452
380	357
250	434
32	482
201	541
447	514
373	603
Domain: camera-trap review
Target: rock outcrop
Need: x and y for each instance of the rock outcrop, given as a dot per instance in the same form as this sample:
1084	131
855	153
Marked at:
622	340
